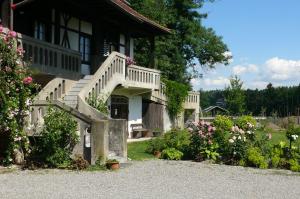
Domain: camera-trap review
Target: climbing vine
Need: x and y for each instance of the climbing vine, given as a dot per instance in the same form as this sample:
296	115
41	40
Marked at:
176	94
16	94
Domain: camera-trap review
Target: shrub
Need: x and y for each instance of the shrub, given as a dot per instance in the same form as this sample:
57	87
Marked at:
255	158
156	144
178	139
294	165
58	137
292	134
16	94
79	163
171	154
223	123
245	122
98	103
202	144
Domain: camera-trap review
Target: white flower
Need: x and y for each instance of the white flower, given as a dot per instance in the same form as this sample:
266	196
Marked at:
27	102
231	141
295	137
234	138
249	132
239	137
244	139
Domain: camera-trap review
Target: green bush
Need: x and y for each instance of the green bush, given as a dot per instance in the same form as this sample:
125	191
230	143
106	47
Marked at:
171	154
98	103
244	121
223	123
57	140
256	158
177	139
156	144
294	165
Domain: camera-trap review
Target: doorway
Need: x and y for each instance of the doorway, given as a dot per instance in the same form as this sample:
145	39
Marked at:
119	107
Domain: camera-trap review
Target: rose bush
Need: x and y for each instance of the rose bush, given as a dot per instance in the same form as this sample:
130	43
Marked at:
16	94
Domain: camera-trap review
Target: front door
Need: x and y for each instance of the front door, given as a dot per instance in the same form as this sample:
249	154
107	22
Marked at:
119	107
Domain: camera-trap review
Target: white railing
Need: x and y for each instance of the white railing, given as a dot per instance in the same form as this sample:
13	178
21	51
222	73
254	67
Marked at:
55	89
110	74
142	77
192	101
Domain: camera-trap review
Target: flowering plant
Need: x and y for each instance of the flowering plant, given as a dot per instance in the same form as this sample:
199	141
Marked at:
202	142
130	61
238	140
16	95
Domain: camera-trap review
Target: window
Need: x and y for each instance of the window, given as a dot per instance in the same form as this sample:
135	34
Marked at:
85	48
40	30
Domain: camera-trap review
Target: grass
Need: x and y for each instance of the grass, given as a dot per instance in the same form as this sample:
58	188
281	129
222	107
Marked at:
277	136
137	151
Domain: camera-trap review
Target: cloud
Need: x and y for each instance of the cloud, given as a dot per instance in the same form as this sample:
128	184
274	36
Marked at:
257	84
282	69
229	55
239	69
219	81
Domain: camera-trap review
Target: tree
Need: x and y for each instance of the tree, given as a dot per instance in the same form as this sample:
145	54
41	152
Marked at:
189	43
235	96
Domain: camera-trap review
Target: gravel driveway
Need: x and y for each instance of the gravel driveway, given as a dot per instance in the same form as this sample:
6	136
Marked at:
153	179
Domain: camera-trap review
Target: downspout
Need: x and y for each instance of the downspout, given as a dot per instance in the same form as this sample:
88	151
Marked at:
11	21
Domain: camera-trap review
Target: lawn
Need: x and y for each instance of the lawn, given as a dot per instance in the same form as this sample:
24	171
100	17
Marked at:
137	151
277	136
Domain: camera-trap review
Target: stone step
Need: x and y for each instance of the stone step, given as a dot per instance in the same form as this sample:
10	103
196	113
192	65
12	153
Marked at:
75	89
88	77
70	98
84	81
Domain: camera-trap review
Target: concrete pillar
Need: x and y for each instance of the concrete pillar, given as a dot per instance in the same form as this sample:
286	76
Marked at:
99	141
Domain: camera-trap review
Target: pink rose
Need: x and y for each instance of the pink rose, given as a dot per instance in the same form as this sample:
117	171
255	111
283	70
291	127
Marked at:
12	34
27	80
1	29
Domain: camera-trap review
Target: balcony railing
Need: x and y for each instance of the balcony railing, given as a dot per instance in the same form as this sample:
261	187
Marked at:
141	77
51	59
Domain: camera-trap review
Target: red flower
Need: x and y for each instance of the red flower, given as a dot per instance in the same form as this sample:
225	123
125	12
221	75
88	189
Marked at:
13	6
27	80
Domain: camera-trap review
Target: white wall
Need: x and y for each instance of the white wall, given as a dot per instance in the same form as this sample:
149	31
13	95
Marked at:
167	120
132	48
135	111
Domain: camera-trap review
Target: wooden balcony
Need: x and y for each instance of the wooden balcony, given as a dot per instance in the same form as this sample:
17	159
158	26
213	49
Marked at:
51	59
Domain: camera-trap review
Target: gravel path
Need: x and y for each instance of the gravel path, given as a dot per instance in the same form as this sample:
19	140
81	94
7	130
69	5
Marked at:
153	179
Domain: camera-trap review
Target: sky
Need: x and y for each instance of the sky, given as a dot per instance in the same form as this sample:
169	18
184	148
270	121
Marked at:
263	37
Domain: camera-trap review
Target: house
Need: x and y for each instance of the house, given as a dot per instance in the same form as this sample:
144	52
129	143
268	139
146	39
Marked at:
82	49
213	111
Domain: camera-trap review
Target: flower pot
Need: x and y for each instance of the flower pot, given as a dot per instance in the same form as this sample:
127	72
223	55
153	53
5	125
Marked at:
113	165
157	154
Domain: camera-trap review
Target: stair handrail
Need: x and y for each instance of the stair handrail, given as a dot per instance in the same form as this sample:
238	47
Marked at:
108	69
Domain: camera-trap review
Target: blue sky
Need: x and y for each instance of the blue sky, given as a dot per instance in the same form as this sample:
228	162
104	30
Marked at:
263	37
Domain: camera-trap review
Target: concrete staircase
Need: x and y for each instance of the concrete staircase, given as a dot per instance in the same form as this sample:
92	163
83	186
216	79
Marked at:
70	98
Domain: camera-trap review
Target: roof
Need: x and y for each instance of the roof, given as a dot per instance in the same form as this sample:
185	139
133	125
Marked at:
123	6
210	108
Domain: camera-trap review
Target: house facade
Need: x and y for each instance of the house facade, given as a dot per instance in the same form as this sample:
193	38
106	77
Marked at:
83	49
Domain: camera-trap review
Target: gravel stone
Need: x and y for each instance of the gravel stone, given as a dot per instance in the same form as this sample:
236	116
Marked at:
153	179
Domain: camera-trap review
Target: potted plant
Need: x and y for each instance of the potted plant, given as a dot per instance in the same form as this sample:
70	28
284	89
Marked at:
113	164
